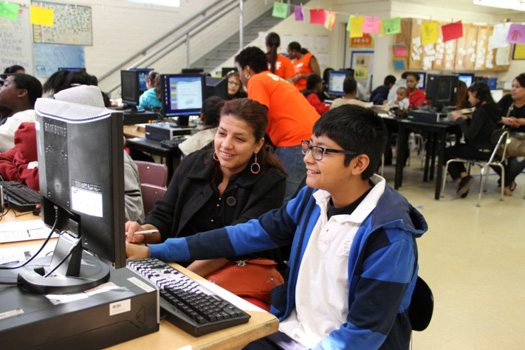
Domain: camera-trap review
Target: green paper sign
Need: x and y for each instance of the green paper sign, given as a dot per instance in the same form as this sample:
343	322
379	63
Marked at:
392	26
279	10
9	11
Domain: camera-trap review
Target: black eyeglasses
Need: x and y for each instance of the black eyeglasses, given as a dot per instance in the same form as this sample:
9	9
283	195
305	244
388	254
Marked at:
318	151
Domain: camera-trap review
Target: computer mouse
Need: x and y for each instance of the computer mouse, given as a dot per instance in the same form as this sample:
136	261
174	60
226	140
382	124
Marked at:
36	211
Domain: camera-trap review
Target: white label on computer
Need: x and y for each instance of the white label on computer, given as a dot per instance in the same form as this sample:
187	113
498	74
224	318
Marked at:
11	313
119	307
141	284
86	201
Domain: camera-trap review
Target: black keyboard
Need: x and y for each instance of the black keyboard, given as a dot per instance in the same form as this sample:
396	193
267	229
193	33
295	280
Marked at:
19	196
185	302
172	143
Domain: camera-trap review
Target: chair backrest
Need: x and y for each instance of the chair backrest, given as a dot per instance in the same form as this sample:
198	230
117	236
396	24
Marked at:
499	138
152	173
150	193
421	306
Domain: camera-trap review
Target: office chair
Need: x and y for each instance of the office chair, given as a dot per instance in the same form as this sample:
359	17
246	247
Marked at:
499	138
152	173
150	193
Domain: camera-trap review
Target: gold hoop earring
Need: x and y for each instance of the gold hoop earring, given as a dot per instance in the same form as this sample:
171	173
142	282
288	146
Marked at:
255	168
215	158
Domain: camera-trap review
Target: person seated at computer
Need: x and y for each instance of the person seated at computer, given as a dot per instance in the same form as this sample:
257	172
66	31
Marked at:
235	181
477	132
513	111
462	96
350	90
290	116
18	93
401	82
210	116
14	69
55	83
314	87
380	94
149	100
235	87
304	64
401	101
278	64
416	97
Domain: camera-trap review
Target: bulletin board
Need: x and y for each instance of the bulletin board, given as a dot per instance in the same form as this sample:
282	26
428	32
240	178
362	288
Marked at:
362	62
15	37
49	57
72	25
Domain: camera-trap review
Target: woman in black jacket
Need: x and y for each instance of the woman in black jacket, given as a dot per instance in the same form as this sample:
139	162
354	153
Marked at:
237	180
477	132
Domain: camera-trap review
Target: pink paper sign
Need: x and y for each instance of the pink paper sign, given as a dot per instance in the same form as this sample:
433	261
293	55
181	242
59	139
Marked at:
452	31
299	13
370	25
317	16
516	34
400	51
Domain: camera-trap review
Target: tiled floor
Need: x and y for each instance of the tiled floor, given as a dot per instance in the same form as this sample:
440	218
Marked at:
474	261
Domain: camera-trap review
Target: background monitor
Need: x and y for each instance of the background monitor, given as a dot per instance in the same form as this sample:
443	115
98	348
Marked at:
82	184
143	74
467	78
217	87
226	70
442	90
130	87
336	80
192	70
72	69
422	80
182	95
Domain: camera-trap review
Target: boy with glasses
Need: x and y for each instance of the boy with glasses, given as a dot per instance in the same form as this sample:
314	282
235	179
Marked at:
353	263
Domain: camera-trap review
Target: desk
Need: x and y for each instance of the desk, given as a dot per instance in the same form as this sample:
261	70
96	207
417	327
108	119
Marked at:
131	131
260	325
154	147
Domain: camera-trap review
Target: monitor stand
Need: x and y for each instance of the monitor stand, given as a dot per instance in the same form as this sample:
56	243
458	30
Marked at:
183	121
78	272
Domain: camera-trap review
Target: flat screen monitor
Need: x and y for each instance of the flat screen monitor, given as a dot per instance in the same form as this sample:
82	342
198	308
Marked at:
442	89
192	70
72	69
422	80
143	74
182	95
226	70
82	189
336	80
130	87
467	78
217	87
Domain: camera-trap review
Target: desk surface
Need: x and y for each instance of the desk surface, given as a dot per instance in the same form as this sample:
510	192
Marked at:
134	131
260	325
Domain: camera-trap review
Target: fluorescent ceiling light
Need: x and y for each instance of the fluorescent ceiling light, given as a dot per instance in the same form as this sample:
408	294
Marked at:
518	5
172	3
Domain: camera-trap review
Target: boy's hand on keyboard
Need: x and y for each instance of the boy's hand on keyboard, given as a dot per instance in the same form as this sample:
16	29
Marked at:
134	251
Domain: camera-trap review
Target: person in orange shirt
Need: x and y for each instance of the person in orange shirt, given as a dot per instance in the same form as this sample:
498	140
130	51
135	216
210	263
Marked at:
304	64
278	64
290	115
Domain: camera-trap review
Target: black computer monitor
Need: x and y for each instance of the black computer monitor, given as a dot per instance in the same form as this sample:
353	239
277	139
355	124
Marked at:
182	95
226	70
467	78
422	80
442	90
336	80
192	70
217	87
81	174
130	88
72	69
143	74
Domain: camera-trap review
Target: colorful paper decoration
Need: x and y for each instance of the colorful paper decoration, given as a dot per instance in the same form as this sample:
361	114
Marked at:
317	16
519	52
400	50
391	26
516	34
366	41
9	11
41	16
400	64
356	24
329	22
371	25
299	13
280	10
452	31
429	33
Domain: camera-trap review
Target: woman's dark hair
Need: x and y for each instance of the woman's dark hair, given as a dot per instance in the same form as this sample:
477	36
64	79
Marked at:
211	110
304	50
415	75
152	75
482	91
13	69
312	81
254	57
521	79
273	41
461	99
29	83
56	82
294	46
255	115
158	87
94	80
240	92
78	77
349	85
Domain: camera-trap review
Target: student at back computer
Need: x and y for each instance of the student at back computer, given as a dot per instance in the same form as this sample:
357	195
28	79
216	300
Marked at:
149	99
353	263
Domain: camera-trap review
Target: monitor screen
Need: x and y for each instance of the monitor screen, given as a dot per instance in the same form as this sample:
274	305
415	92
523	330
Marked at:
217	87
143	74
130	87
192	70
335	82
422	80
72	69
226	70
442	89
182	95
82	188
467	78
